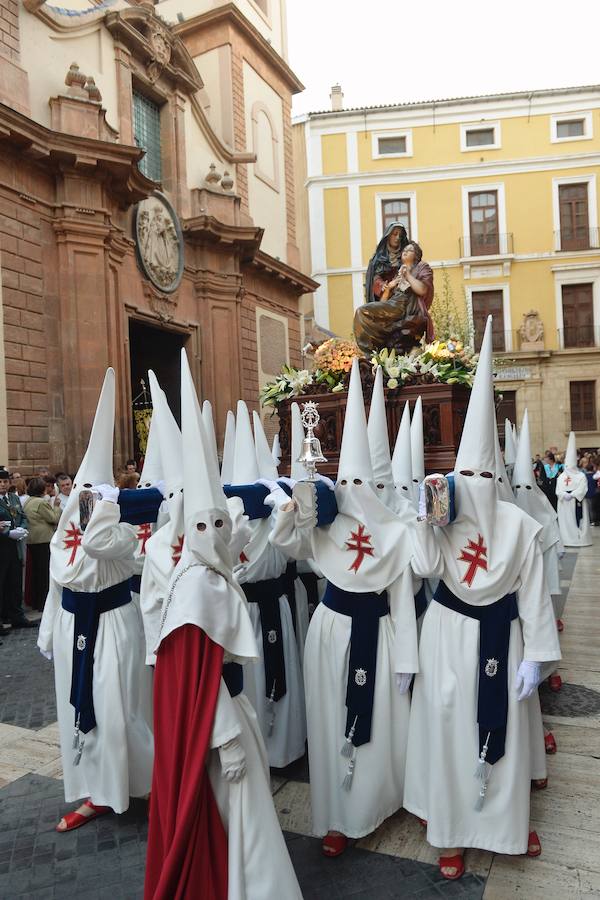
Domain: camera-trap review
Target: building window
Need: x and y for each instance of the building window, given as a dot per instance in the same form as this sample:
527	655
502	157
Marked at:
384	144
574	216
483	134
483	224
583	405
396	211
146	132
574	127
578	315
484	304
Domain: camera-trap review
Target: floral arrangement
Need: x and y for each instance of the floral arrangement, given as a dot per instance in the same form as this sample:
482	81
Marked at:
447	362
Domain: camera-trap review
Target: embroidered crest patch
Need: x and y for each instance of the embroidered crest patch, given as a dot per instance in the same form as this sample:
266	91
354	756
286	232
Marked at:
272	636
81	642
360	677
491	668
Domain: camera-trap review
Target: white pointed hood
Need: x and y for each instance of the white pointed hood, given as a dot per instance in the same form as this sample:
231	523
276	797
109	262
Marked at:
502	480
68	558
266	464
203	590
152	468
485	547
367	546
276	450
402	459
571	453
510	450
228	450
379	446
297	470
209	428
417	446
528	496
245	466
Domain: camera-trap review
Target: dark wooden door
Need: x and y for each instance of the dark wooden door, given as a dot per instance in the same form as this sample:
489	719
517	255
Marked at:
574	221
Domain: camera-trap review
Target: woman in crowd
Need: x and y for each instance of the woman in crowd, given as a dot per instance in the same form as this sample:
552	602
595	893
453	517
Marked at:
553	469
43	518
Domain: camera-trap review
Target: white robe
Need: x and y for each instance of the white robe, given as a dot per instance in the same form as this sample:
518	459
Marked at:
116	763
575	483
287	742
377	785
443	741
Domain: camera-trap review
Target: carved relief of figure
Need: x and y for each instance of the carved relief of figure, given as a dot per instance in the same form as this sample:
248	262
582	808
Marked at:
159	245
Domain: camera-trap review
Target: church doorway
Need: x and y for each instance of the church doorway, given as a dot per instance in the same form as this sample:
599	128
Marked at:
157	349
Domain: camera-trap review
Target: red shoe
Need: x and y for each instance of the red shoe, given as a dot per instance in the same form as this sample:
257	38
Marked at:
560	625
334	844
453	862
539	784
75	820
555	683
534	847
549	743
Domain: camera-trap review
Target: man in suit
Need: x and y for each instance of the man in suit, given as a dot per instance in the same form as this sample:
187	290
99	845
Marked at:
13	532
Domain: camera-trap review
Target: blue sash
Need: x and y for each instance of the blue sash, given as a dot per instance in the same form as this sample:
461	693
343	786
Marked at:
494	638
253	498
310	582
365	610
420	602
266	594
135	583
578	512
233	676
327	508
139	505
290	575
87	609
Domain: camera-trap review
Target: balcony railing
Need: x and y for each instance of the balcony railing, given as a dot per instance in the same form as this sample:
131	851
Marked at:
571	338
569	239
486	245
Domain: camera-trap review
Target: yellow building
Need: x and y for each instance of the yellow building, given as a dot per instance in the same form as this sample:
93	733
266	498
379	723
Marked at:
500	192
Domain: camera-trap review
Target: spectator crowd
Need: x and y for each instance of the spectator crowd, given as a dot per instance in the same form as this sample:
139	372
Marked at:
548	468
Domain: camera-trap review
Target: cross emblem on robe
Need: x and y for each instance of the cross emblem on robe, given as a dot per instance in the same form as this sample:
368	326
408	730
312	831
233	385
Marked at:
361	543
568	479
72	541
143	533
475	554
177	548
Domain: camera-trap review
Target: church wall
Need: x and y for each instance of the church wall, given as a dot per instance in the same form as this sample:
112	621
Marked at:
3	410
214	67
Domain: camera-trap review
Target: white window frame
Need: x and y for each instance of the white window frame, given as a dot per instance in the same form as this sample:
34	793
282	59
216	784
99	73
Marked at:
505	288
411	196
588	128
476	189
403	133
465	127
574	274
590	180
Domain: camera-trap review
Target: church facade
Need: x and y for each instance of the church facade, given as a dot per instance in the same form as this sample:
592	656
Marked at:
146	204
501	193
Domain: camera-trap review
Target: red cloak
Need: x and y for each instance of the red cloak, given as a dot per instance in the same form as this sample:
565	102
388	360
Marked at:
187	843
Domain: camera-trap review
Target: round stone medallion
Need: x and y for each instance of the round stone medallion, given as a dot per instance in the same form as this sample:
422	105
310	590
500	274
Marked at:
159	242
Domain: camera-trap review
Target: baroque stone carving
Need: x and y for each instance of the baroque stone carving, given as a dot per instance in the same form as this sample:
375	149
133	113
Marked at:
163	305
159	242
161	50
532	331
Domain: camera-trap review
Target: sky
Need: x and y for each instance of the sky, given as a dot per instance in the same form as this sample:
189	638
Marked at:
382	51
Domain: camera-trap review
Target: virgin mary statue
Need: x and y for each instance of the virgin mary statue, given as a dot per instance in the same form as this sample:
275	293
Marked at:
399	292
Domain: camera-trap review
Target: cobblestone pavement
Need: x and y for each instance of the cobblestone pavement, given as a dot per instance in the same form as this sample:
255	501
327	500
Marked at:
106	858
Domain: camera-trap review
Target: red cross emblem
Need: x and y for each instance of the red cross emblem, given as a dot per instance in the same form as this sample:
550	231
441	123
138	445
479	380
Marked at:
568	479
474	554
177	548
361	543
143	533
243	557
72	541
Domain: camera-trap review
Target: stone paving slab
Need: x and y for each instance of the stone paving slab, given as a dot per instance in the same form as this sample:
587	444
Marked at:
27	697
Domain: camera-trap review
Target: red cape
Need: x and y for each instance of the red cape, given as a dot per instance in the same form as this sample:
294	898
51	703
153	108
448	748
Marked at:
187	843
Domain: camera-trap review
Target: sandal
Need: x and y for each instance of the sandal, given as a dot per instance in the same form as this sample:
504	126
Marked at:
75	820
549	743
560	625
539	784
534	847
452	862
555	683
334	844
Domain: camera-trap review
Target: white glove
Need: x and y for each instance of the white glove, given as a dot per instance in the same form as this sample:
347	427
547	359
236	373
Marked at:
107	492
568	497
277	498
18	534
160	486
529	676
403	681
422	502
272	485
46	653
233	760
